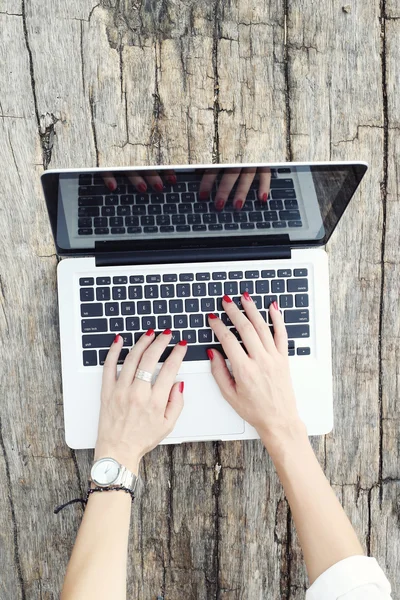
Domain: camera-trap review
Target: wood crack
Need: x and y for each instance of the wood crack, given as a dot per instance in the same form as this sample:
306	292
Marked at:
216	492
92	118
289	152
216	105
12	510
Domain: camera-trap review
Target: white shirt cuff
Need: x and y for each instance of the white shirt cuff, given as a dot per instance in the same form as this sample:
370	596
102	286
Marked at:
347	575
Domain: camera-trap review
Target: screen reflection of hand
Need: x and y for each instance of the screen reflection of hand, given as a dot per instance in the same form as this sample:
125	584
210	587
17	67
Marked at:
140	181
228	180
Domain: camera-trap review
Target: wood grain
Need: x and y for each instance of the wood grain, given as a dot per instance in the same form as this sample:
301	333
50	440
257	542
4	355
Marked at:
119	83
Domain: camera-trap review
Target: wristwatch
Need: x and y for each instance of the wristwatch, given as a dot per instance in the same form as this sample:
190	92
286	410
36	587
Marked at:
107	472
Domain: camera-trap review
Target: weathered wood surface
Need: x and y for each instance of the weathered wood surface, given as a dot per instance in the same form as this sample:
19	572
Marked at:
117	83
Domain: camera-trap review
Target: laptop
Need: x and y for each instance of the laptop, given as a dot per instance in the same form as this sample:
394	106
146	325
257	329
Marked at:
158	246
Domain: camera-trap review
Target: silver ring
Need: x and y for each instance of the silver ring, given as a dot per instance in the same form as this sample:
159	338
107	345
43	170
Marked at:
143	375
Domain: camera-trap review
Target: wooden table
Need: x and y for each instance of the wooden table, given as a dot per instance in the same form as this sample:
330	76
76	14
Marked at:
120	83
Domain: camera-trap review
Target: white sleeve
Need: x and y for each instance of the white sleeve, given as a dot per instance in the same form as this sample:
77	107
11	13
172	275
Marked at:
354	578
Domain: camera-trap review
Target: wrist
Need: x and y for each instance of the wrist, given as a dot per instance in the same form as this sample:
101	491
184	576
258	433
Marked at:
128	460
284	438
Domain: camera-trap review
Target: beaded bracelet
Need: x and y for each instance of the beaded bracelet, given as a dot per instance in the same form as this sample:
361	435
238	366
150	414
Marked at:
90	491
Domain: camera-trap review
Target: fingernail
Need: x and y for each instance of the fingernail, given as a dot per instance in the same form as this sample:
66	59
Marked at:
183	343
265	197
247	296
239	204
116	339
167	332
111	185
203	195
275	305
212	316
219	205
171	179
159	187
227	298
210	353
142	187
150	332
181	386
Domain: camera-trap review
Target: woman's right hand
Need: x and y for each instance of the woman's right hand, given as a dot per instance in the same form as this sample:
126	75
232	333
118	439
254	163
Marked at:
260	390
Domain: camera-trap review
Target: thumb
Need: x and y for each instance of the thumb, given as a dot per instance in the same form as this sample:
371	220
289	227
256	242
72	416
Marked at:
175	403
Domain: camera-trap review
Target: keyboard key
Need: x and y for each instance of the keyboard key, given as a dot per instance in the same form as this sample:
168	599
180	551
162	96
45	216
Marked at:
205	336
209	218
238	301
101	231
151	291
84	222
200	207
263	225
202	276
252	274
283	194
90	201
290	204
176	337
215	288
119	293
175	306
278	286
135	292
148	323
153	278
189	335
198	352
160	307
297	316
191	305
170	209
151	229
182	228
284	272
199	289
281	183
224	217
196	320
111	200
301	300
103	293
300	272
230	288
87	294
297	285
93	325
164	322
157	199
199	228
291	351
262	287
275	205
182	290
257	301
147	220
154	209
286	301
144	308
85	179
279	224
240	217
136	279
236	275
298	331
112	309
104	340
116	324
180	321
86	281
207	305
103	280
268	274
216	227
219	275
170	277
172	198
116	222
255	217
247	225
131	222
128	308
226	320
231	226
134	230
132	323
303	351
269	300
89	211
89	358
246	286
167	229
167	291
186	277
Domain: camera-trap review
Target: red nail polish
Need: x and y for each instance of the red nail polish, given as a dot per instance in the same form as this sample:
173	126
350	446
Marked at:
111	185
239	204
219	205
183	343
212	316
159	187
116	339
227	298
210	353
275	305
167	332
203	195
181	386
142	187
247	296
171	179
265	197
150	332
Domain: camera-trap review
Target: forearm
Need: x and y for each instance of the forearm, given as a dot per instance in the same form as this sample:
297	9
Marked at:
325	533
97	568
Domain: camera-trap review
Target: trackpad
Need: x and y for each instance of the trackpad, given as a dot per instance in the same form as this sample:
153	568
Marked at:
205	411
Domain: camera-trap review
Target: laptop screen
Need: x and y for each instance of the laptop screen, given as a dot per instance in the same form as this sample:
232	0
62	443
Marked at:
93	211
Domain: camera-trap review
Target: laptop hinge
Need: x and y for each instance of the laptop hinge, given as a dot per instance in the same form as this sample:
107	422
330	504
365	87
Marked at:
146	257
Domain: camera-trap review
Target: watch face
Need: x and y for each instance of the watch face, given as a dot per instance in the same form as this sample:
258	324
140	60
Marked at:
105	471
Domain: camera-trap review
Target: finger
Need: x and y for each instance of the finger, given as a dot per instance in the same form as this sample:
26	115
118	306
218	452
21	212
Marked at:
137	180
109	180
207	182
245	328
245	181
265	183
231	346
132	360
154	179
280	333
151	357
109	377
174	405
226	184
221	373
170	368
258	322
169	176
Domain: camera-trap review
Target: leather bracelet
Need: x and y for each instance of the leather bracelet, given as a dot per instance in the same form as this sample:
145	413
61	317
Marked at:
107	489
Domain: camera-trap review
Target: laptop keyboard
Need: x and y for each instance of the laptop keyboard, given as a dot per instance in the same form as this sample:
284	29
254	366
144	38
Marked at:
178	209
130	305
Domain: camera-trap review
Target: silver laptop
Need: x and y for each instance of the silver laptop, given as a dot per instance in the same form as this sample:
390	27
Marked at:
157	247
